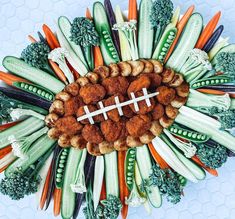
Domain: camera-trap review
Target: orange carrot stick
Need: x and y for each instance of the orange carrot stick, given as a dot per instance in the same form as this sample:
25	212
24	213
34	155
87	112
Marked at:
211	91
45	189
132	10
32	39
57	201
2	169
50	37
162	163
58	71
208	31
8	125
180	27
103	192
209	170
98	58
122	184
9	79
88	14
5	151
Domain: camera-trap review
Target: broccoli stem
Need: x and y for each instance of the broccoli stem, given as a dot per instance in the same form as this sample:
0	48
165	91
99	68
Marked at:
88	52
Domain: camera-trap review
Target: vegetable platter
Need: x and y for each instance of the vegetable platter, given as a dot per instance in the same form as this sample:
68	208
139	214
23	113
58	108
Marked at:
110	112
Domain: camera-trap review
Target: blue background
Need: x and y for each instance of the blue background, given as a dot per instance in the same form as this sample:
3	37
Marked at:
213	198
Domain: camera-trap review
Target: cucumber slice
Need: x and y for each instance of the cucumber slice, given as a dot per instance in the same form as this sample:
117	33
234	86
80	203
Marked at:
107	46
187	42
145	166
145	30
19	67
111	174
68	196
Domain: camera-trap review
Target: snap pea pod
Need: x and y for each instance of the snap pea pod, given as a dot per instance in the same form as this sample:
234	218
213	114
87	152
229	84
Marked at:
130	168
182	179
188	134
165	43
34	89
210	81
60	167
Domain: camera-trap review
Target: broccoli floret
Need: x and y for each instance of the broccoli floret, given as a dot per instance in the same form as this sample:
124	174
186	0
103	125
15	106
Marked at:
225	62
17	185
161	13
212	154
168	183
83	32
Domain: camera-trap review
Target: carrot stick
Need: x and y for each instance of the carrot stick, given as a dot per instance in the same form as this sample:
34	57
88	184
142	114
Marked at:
162	163
208	31
45	189
103	192
8	125
132	10
2	169
57	201
122	185
32	39
98	58
9	79
180	27
88	14
50	37
58	71
5	151
209	170
211	91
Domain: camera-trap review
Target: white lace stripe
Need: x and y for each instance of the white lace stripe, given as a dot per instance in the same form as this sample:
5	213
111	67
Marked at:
104	112
136	106
118	107
88	114
147	100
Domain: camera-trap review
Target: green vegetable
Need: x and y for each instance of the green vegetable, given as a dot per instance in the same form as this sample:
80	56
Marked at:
130	167
19	113
7	104
188	134
165	43
186	43
22	69
89	211
145	30
129	31
160	17
35	89
212	156
36	55
107	46
22	129
223	43
83	33
168	183
60	167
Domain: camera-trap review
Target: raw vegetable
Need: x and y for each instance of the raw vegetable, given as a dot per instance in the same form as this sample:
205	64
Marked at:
7	125
26	97
22	69
20	130
213	155
213	39
188	134
124	44
145	167
68	196
160	17
5	151
98	59
57	201
83	33
132	10
9	79
103	194
89	211
107	46
222	43
175	16
60	167
129	31
220	88
6	161
32	39
36	55
145	30
111	174
50	37
180	27
58	71
35	89
208	31
112	21
19	113
41	37
98	180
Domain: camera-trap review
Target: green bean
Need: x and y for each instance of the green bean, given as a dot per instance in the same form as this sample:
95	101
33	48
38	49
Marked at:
130	167
34	89
210	81
188	134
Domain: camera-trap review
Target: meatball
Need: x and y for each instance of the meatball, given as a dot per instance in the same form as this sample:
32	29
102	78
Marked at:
92	108
111	130
115	85
68	125
142	82
138	125
155	80
92	93
171	112
102	71
72	89
92	134
71	106
158	111
167	75
166	95
183	90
